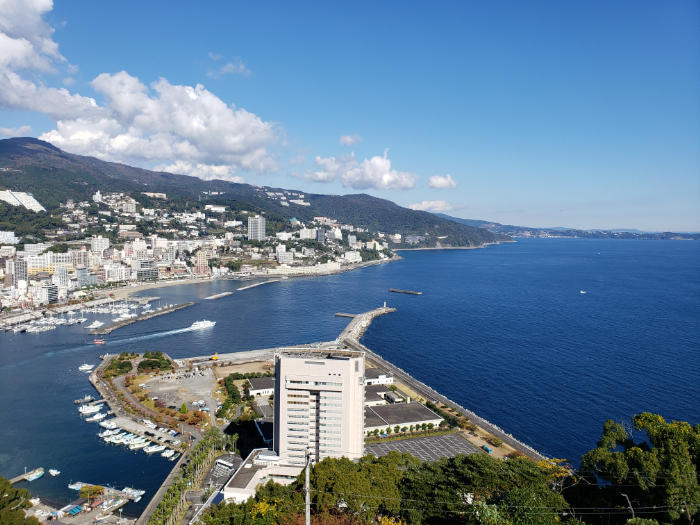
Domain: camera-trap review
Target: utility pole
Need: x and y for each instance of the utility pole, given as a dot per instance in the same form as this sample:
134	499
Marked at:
307	488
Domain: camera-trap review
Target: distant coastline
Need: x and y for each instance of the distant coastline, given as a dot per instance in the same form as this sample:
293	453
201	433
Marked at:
486	244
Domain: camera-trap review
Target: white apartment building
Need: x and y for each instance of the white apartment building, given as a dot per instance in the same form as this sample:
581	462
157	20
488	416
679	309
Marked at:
256	228
99	244
319	399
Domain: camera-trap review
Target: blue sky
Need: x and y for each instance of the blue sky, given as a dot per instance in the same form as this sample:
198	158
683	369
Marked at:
582	114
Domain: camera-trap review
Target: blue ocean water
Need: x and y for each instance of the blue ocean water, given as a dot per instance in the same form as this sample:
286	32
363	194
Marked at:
503	331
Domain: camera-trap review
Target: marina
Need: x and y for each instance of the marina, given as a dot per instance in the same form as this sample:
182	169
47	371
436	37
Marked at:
120	323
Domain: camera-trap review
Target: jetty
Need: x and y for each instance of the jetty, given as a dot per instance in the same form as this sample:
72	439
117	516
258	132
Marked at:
217	296
111	328
409	292
258	284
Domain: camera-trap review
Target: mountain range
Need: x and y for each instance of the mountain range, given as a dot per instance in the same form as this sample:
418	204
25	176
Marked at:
53	176
526	231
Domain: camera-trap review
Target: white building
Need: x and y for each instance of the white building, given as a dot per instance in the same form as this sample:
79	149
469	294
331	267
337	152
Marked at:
256	228
20	198
99	244
8	238
376	376
319	398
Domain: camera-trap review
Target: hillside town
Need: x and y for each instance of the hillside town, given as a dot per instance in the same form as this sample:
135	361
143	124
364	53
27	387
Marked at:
114	239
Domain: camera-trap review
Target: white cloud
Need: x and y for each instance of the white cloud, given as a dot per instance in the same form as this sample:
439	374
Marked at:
436	206
350	140
375	172
21	131
442	182
203	171
236	66
186	128
182	127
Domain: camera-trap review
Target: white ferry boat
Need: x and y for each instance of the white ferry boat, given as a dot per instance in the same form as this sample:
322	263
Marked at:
86	367
201	325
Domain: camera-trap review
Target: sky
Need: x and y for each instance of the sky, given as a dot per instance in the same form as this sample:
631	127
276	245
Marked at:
581	114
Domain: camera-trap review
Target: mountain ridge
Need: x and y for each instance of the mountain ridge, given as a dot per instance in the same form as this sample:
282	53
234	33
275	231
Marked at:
564	232
53	176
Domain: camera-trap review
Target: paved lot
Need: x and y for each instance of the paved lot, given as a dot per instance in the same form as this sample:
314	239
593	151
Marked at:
428	448
175	388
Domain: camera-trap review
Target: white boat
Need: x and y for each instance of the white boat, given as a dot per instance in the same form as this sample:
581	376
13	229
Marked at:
54	472
109	425
154	448
177	455
86	367
582	292
201	325
139	444
87	410
95	324
168	453
97	417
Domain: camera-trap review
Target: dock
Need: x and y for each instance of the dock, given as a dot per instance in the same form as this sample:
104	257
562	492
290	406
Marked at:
111	328
23	477
409	292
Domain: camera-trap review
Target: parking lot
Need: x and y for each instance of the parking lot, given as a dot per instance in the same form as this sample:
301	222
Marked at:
186	386
428	448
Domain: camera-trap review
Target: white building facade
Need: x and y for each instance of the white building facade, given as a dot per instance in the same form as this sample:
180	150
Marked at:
319	398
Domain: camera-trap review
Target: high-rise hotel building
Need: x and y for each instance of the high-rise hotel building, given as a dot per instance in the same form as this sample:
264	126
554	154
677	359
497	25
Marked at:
256	228
319	404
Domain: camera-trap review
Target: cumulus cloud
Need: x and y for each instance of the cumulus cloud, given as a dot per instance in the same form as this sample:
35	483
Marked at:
436	206
375	172
442	182
21	131
187	129
350	140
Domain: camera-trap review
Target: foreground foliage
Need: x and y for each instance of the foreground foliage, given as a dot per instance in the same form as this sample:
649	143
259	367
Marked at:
12	503
646	482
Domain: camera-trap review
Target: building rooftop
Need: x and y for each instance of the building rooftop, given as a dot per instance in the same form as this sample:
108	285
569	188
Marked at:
261	383
374	392
374	373
319	353
245	472
398	414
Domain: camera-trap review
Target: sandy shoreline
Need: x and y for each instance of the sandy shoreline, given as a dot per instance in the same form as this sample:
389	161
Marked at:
127	292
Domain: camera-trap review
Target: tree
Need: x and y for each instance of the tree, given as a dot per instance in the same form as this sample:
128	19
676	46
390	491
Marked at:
12	503
183	408
660	470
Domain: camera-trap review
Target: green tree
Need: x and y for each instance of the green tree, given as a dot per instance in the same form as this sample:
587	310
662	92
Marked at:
660	470
183	408
12	503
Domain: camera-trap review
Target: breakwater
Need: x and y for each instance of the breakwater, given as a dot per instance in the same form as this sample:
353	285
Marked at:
168	309
257	284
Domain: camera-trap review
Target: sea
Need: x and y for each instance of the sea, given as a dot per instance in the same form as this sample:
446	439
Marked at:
546	338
